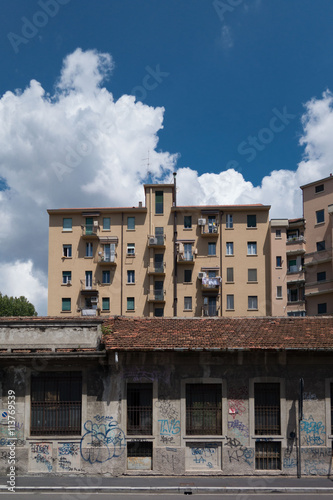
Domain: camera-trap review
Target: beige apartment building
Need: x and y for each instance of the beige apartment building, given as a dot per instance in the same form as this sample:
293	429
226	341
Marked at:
318	262
160	259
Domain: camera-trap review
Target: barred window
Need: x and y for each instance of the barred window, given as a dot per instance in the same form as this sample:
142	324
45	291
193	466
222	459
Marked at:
268	455
267	408
140	409
56	401
204	409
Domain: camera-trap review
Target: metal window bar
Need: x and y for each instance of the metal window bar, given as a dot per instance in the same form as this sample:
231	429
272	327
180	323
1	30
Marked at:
267	408
56	403
203	409
140	449
268	456
139	409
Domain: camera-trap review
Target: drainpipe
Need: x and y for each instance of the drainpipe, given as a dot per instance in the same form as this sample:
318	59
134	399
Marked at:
175	247
121	263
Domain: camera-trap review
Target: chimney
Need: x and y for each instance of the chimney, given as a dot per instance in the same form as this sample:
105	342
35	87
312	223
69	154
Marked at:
140	204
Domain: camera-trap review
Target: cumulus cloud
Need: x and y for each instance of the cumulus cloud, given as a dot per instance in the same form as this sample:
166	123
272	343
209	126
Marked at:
80	147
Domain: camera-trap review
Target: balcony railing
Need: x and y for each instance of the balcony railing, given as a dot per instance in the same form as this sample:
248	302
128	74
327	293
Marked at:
209	310
185	257
156	241
156	296
156	268
88	285
209	230
89	231
107	259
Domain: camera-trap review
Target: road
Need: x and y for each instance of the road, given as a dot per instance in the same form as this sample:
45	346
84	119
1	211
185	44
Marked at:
160	496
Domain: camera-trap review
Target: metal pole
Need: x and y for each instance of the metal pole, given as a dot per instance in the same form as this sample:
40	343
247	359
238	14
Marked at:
300	418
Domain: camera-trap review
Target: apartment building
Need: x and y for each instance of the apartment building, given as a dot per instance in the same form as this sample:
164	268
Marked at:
160	259
287	267
318	262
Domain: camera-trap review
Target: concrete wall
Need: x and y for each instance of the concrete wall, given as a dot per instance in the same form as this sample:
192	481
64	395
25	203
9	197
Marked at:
102	446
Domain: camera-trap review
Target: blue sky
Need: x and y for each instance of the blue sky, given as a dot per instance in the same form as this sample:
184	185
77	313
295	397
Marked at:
235	95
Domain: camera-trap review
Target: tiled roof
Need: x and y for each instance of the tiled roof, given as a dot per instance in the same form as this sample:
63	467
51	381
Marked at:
269	333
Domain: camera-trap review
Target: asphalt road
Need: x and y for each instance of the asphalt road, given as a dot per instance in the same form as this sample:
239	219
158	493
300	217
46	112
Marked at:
159	496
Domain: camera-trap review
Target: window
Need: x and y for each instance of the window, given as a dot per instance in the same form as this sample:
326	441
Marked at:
278	261
187	275
319	188
89	249
139	455
130	222
159	202
66	277
252	302
267	409
188	303
294	295
211	274
212	248
212	227
268	455
67	250
320	246
187	221
230	274
229	223
56	403
188	251
279	292
230	302
130	248
159	235
251	248
230	248
277	233
106	223
67	224
252	275
66	304
292	266
106	304
130	304
320	216
251	221
322	308
140	409
88	280
131	276
204	409
321	276
106	277
89	228
109	253
159	312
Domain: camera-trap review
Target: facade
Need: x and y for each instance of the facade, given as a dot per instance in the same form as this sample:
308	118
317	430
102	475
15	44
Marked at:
160	259
167	396
318	262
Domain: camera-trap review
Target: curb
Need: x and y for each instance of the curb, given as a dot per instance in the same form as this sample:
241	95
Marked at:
168	489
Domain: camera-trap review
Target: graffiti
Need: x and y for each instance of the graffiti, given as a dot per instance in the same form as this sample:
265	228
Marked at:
238	452
314	432
309	396
68	457
167	409
312	468
102	442
6	455
242	428
101	418
5	429
167	439
7	442
170	460
203	456
169	427
289	463
68	449
236	401
41	453
318	454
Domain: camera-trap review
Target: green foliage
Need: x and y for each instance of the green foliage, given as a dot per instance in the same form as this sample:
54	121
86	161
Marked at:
16	306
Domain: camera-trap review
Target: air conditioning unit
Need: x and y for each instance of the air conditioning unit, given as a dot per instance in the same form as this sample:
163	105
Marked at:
152	241
201	275
201	222
94	300
95	223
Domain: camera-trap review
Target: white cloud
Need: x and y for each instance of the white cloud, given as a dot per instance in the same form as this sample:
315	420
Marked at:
80	147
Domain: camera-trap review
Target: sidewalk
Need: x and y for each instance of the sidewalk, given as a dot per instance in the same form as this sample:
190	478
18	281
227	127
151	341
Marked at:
162	484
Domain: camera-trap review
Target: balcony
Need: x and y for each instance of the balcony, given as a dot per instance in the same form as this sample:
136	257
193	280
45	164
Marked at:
89	231
156	296
295	245
209	230
295	276
211	285
88	286
314	258
319	288
209	310
107	260
157	269
185	258
157	241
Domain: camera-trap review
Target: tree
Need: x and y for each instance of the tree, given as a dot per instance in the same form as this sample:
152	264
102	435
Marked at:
16	306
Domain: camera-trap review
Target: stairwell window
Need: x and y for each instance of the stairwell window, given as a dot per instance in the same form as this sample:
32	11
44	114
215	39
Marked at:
278	261
158	202
279	292
187	275
67	224
320	216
